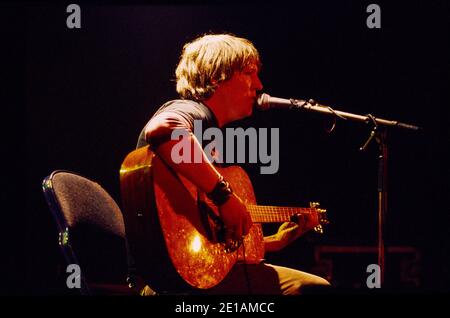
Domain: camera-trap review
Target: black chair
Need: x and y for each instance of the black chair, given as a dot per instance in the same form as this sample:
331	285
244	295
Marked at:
91	232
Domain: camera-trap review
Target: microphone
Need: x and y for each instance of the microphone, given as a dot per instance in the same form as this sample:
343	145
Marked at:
265	102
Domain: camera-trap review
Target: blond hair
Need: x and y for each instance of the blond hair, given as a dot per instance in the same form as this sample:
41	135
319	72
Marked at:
209	60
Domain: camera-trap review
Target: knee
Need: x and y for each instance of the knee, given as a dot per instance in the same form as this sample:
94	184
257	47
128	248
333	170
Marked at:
147	291
316	285
319	281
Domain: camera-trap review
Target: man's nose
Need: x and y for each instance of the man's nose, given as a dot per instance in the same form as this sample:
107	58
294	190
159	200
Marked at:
257	85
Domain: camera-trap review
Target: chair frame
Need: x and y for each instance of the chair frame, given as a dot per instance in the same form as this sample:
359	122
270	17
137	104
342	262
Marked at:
62	225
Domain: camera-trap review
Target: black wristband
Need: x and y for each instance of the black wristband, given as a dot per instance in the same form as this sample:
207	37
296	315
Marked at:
221	192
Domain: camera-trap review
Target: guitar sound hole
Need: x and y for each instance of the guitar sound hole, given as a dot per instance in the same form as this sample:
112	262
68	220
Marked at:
213	225
233	246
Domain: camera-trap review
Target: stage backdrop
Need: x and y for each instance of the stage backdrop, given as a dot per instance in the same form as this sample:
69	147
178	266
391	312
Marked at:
89	92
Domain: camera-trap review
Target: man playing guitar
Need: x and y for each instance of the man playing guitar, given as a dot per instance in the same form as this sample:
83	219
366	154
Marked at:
217	80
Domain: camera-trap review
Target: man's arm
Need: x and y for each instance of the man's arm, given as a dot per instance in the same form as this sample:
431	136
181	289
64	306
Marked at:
287	233
205	176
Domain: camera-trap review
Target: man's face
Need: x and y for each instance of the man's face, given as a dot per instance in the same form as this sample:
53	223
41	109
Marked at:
239	92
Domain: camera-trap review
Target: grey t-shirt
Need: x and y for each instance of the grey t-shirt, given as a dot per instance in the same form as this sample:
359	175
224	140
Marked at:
176	114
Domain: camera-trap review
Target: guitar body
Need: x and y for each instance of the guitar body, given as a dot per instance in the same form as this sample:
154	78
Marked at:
161	207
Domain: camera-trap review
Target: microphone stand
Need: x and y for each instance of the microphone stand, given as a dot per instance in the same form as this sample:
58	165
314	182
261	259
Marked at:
380	137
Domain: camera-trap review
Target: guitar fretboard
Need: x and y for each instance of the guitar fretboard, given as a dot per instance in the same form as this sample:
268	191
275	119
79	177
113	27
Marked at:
274	214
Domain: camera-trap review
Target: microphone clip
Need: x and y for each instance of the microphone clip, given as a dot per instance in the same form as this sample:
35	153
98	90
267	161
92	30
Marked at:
298	103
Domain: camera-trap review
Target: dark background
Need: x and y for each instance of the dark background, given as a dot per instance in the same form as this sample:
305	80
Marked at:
90	91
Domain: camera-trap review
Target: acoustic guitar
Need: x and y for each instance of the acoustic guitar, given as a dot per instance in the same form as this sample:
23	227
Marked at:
174	231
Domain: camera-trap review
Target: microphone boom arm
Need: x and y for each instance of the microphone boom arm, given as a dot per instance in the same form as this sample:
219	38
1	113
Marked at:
314	107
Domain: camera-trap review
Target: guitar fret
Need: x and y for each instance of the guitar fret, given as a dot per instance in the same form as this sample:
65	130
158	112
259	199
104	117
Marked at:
264	213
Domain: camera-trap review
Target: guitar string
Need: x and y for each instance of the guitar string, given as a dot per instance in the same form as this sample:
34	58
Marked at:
274	214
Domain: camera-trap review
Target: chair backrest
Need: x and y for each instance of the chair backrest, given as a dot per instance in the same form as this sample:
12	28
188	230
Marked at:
91	228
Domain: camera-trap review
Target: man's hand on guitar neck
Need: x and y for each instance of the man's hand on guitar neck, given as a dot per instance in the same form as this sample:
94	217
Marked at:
288	232
236	218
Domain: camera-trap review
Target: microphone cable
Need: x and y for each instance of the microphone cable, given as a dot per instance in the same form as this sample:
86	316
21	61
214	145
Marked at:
247	277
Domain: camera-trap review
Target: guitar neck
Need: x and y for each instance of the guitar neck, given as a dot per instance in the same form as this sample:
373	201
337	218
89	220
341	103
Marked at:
274	214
